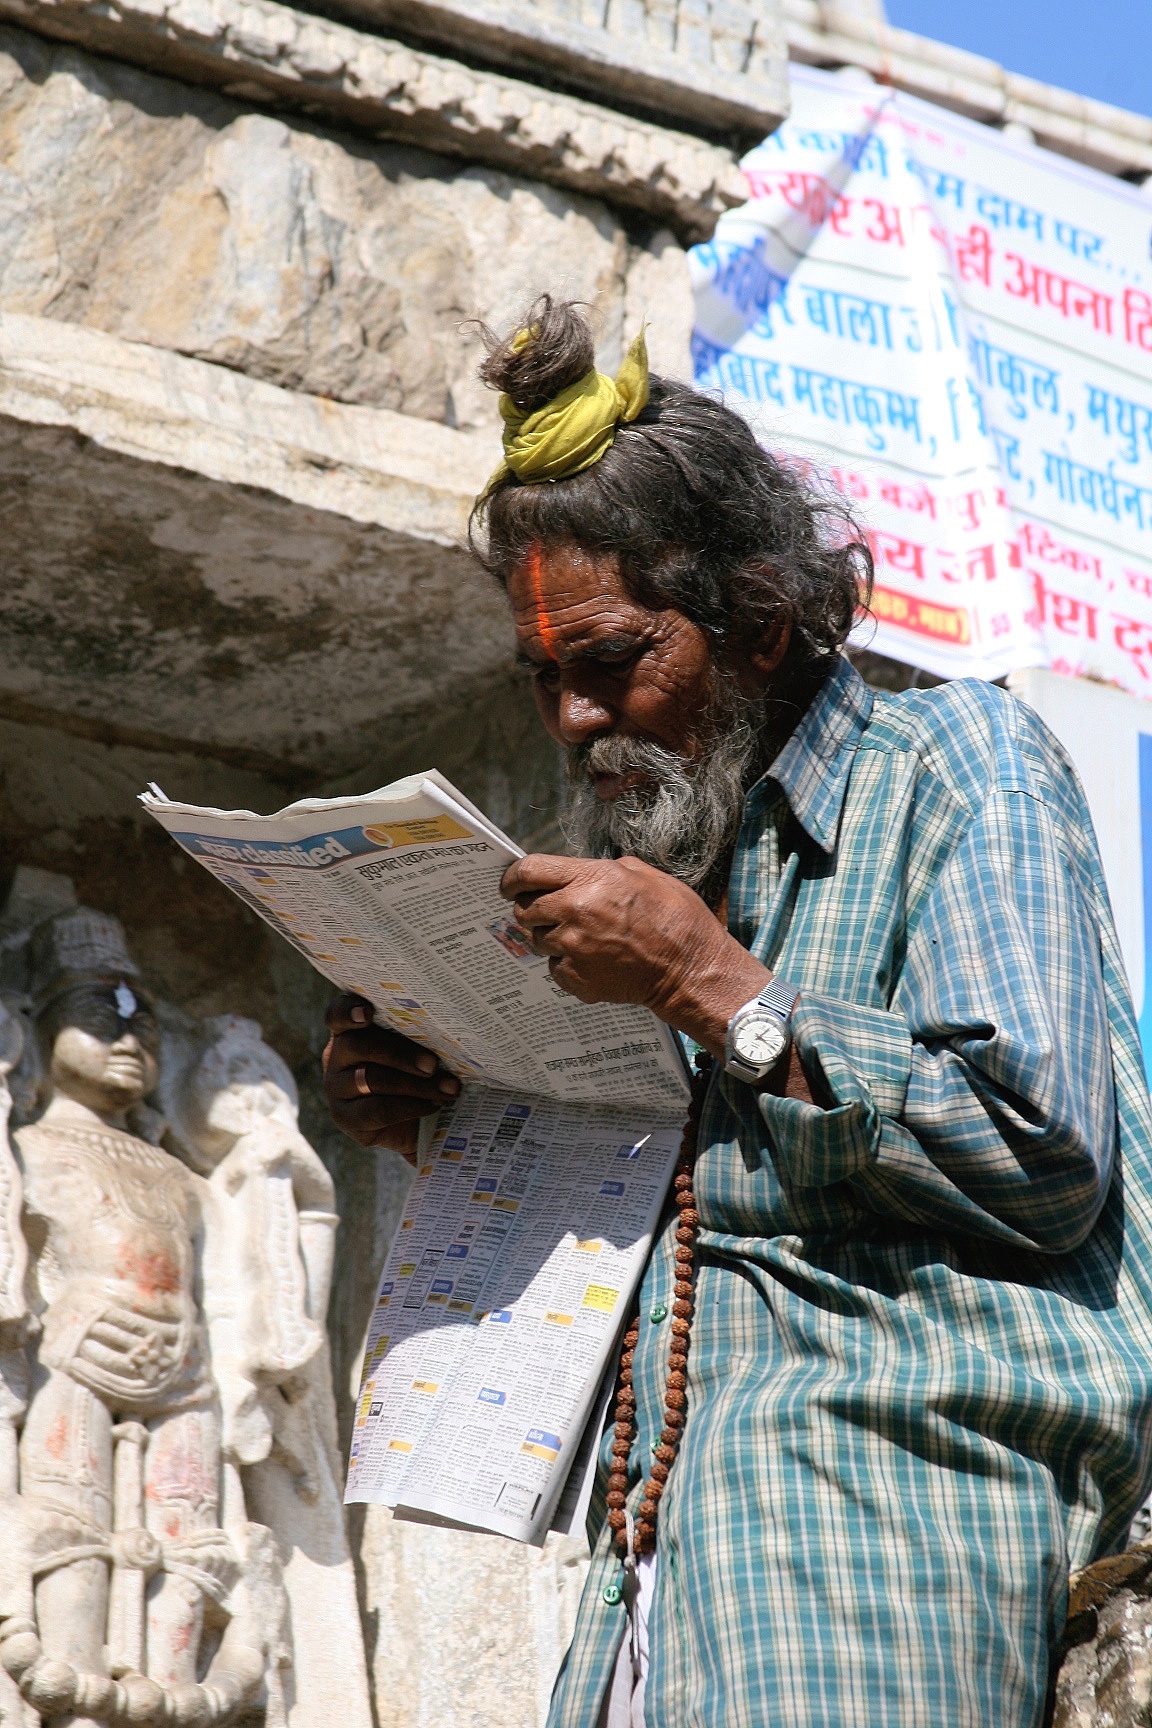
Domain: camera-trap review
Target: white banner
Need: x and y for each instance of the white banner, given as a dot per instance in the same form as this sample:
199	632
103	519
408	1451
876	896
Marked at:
956	327
1109	738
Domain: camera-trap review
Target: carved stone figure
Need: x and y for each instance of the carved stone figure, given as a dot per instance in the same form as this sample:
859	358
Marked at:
232	1112
162	1356
231	1106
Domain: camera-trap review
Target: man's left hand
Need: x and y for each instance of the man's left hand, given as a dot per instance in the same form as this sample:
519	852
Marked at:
617	930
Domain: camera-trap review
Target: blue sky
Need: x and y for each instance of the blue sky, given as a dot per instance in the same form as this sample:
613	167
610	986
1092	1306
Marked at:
1100	48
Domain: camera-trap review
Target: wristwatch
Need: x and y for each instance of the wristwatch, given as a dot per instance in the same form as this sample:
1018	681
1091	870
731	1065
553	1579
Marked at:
760	1032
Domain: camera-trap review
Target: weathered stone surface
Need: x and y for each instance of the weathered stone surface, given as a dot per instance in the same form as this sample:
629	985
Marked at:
298	648
265	52
659	290
247	615
425	1585
715	64
1105	1678
315	264
364	465
182	610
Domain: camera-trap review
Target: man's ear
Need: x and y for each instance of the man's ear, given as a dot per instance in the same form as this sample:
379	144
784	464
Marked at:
766	657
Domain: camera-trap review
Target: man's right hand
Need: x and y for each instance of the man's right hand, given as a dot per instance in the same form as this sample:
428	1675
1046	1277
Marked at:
404	1081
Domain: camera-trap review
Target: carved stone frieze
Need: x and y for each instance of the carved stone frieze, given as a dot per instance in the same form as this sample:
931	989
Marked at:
174	1551
261	51
719	65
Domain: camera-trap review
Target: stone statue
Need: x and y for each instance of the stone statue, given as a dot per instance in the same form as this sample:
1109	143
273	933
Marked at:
232	1112
231	1106
162	1356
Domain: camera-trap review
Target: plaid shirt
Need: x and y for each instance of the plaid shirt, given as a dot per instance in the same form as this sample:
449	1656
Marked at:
920	1381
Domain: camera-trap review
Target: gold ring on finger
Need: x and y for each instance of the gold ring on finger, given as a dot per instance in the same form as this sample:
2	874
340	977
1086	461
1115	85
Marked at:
361	1079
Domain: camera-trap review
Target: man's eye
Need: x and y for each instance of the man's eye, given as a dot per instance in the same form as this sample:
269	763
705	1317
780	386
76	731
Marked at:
619	665
546	676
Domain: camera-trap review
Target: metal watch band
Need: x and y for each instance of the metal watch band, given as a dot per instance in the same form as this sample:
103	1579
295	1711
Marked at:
779	997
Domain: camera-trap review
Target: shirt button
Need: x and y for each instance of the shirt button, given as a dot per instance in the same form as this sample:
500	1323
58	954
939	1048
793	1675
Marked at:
612	1594
657	1312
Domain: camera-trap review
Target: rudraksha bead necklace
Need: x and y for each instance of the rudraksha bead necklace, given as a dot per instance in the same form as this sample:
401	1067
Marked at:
676	1384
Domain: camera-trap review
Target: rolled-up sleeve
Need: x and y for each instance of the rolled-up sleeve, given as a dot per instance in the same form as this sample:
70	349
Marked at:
981	1099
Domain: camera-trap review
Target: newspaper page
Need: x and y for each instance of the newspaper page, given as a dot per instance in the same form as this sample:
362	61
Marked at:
395	895
500	1306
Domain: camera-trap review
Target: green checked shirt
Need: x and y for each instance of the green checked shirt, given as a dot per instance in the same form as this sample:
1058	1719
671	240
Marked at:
920	1379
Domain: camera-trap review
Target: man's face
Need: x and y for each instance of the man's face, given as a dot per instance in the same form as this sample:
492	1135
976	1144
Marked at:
601	663
104	1053
661	741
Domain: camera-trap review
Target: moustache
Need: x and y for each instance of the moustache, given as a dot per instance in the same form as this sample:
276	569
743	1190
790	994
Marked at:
620	755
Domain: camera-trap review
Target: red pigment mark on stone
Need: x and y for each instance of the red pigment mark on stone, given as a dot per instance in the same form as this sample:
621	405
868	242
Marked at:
153	1272
543	622
56	1443
176	1472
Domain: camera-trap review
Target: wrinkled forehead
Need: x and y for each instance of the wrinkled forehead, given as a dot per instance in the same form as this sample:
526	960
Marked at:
566	599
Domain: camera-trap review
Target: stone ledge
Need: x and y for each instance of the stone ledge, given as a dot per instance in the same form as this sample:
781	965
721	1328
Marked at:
1104	137
369	465
260	51
720	67
268	579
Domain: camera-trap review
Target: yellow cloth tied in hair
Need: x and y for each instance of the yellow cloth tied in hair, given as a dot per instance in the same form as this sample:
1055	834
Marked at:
574	430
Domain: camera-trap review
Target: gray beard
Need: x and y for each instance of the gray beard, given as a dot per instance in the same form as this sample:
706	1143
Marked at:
685	815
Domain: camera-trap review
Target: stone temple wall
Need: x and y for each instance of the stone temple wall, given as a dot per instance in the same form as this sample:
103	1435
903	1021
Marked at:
321	264
240	433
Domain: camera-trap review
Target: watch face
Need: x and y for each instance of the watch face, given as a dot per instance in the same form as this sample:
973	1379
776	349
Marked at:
760	1039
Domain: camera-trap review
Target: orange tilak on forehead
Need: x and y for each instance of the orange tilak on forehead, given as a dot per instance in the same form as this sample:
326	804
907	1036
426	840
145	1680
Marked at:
544	628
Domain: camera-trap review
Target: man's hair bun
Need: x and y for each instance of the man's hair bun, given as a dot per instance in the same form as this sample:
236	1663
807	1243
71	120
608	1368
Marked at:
561	351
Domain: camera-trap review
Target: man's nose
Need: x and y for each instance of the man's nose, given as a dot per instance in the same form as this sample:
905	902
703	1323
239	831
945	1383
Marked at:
582	716
128	1044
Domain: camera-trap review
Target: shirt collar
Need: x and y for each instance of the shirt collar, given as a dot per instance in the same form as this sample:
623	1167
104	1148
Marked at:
813	768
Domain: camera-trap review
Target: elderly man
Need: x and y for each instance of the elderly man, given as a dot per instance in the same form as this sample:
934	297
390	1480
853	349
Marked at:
909	1321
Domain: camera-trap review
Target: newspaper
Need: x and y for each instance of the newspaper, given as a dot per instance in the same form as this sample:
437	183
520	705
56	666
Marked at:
500	1305
489	1354
396	896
